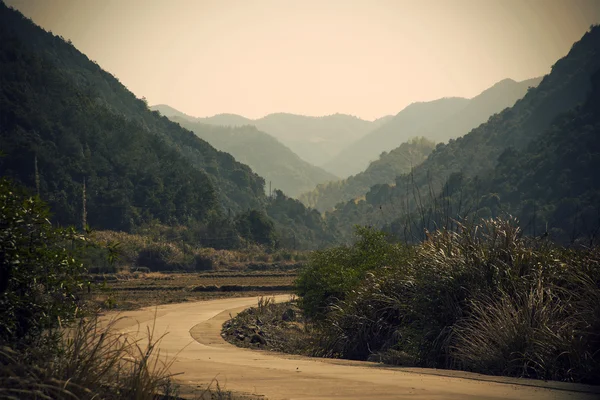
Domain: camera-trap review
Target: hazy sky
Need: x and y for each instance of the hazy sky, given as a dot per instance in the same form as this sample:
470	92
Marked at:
314	57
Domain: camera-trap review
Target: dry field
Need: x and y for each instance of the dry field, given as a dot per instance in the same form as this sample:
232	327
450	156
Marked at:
127	291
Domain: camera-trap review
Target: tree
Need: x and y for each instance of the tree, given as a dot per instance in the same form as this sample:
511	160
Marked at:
257	227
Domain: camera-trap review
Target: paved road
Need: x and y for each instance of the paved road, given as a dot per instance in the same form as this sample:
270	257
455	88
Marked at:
201	355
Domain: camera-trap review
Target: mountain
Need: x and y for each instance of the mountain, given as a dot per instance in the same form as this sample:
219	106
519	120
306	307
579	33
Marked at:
97	155
314	139
406	124
170	112
382	171
478	110
437	120
232	120
264	154
474	157
553	185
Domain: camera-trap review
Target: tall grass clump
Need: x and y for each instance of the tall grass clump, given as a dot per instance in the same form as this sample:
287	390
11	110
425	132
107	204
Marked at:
481	298
91	360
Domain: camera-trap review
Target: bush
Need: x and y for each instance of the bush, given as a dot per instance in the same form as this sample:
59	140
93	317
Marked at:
164	257
40	274
335	272
482	298
202	263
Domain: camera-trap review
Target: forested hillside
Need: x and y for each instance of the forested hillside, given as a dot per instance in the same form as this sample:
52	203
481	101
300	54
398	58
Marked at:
438	120
416	198
264	154
552	186
382	171
74	134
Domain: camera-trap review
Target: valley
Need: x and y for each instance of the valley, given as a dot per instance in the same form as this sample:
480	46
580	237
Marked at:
445	246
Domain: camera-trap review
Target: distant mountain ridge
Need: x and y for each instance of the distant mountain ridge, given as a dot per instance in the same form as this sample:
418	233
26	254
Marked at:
438	120
264	154
314	139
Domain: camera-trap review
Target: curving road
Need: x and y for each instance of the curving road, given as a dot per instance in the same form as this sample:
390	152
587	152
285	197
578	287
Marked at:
193	337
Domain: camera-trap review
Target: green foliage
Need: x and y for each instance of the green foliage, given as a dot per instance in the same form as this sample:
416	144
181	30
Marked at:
482	298
40	274
298	227
60	109
334	272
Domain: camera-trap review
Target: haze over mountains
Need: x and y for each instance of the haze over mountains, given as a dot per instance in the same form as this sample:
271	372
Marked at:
314	139
344	145
72	133
438	120
268	157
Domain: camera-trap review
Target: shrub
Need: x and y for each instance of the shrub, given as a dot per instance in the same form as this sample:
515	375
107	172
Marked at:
202	263
332	273
40	274
164	257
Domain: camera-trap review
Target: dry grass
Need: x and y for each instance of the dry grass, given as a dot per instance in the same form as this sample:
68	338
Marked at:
93	360
89	361
482	298
164	250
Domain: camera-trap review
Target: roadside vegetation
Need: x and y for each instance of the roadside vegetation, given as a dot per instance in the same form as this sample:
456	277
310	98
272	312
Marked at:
481	298
52	344
166	249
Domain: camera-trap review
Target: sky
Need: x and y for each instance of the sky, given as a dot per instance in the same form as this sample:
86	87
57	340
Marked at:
314	57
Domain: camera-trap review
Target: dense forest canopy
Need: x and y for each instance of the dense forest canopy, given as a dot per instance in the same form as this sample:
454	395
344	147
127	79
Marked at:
74	134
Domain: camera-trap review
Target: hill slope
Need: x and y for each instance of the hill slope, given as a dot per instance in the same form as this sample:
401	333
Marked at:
382	171
264	154
71	131
477	153
437	120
